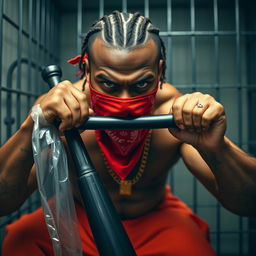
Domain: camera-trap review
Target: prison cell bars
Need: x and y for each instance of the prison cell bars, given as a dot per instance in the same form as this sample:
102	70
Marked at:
238	85
239	99
43	51
251	94
217	88
216	33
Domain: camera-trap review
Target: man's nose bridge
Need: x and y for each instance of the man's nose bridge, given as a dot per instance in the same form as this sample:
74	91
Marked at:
124	93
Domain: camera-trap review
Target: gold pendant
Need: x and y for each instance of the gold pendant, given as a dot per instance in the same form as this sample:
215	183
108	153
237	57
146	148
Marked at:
125	187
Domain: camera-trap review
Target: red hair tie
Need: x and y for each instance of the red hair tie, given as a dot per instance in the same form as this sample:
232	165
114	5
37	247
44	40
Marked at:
76	60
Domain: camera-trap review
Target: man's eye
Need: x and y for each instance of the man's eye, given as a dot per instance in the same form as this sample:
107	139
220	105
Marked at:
109	85
142	85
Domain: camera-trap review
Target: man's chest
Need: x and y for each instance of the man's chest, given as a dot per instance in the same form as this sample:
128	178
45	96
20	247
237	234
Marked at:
148	183
162	153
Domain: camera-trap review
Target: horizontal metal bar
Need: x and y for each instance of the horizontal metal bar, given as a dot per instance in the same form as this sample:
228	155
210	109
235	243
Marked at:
205	33
199	33
232	232
214	86
18	91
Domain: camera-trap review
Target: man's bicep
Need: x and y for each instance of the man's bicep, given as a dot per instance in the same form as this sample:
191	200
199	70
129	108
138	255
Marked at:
198	167
32	182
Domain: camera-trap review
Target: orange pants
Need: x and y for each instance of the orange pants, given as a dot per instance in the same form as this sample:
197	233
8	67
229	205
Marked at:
170	229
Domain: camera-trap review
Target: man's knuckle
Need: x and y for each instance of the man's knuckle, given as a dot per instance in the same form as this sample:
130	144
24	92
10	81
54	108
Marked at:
197	114
66	82
186	111
220	107
76	107
197	94
208	97
55	101
82	97
67	115
176	107
178	120
206	119
61	86
59	90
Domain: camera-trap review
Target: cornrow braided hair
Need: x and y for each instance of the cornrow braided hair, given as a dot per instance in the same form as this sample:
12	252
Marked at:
123	30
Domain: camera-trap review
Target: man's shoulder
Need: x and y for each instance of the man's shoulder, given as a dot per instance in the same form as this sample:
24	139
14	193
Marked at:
165	96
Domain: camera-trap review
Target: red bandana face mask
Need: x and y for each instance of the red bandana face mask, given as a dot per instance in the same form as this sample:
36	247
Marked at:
122	148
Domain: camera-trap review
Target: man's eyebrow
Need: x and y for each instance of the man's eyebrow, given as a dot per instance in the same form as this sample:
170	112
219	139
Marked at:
141	79
102	76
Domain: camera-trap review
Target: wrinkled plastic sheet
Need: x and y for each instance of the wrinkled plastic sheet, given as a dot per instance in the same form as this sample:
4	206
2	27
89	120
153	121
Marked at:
54	187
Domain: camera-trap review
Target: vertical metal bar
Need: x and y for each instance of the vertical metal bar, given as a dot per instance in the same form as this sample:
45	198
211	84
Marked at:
43	37
146	8
79	25
169	39
38	39
124	6
217	87
251	106
101	8
57	39
50	29
193	51
216	48
9	119
193	43
1	63
47	30
19	54
169	70
239	105
30	45
55	32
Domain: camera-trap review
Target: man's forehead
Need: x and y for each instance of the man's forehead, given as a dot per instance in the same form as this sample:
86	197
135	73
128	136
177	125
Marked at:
103	54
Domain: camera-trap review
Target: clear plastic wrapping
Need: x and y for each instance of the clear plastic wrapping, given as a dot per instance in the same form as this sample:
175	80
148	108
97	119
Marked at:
54	187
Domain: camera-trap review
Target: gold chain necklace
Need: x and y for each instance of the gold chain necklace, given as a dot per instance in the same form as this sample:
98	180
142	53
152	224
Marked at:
125	186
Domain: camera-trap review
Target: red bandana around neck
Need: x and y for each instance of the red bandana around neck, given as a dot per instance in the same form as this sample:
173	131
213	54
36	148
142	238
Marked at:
122	148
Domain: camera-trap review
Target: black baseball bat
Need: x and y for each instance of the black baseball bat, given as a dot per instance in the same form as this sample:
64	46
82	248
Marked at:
109	234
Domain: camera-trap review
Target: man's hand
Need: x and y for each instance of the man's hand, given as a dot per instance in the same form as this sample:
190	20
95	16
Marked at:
67	104
200	119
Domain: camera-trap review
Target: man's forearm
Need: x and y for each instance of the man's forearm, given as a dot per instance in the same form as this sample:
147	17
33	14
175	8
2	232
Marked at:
235	173
16	161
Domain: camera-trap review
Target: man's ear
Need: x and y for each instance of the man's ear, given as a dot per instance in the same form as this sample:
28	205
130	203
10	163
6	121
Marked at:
160	72
160	67
86	76
87	67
